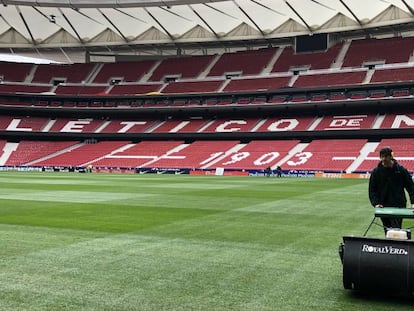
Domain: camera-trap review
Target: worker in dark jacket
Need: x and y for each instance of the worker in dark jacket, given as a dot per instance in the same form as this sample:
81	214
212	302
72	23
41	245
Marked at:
386	186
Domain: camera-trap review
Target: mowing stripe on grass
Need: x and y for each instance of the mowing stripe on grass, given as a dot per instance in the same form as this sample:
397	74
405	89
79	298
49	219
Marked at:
69	196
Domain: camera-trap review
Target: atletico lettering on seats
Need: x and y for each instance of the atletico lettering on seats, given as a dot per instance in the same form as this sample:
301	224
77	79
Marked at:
28	124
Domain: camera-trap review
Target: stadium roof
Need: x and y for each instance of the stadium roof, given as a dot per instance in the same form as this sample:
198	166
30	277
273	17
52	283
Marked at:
108	23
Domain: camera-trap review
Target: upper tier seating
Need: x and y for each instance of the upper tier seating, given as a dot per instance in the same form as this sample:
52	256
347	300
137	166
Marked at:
14	72
246	62
71	73
24	88
80	90
193	87
126	78
183	67
393	75
389	50
315	60
126	71
134	89
257	84
331	79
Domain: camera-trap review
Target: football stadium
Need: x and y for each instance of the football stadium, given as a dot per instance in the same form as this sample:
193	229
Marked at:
203	154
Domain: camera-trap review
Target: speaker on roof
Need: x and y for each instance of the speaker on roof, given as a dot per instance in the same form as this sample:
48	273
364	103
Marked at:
311	43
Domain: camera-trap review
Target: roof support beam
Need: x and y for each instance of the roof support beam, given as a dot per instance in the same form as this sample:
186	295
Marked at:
298	15
352	12
408	7
103	4
26	25
71	26
250	19
205	22
113	25
159	24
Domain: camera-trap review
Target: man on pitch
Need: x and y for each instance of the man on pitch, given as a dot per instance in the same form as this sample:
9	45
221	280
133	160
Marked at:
387	183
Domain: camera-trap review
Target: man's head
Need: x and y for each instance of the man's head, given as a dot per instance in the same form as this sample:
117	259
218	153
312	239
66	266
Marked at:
385	151
386	156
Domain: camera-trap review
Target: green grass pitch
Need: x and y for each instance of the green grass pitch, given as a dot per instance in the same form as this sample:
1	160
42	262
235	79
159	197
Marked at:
72	241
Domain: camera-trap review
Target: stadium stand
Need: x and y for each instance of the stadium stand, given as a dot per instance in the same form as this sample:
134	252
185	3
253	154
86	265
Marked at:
134	89
289	60
387	50
24	88
180	87
265	101
74	125
30	151
15	72
257	84
79	154
256	155
194	155
277	99
284	124
183	67
347	122
243	62
330	79
393	75
326	155
396	121
27	123
80	89
124	71
230	126
403	152
136	155
125	126
404	92
72	73
179	126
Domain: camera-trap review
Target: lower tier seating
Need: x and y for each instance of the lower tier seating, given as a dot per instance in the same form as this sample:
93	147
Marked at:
327	155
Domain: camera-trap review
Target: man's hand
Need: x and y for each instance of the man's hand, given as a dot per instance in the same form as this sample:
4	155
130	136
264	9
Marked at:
412	206
380	205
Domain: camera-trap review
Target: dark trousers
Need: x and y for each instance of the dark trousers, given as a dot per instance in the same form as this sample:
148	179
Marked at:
391	223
